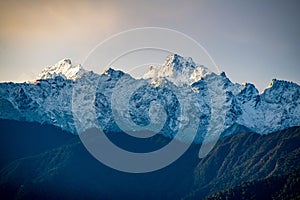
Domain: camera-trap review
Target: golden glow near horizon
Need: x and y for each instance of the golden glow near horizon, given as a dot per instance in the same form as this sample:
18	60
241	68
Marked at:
34	32
55	18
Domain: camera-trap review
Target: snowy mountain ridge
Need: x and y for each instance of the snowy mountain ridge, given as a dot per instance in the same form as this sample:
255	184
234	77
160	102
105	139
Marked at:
177	69
222	104
63	68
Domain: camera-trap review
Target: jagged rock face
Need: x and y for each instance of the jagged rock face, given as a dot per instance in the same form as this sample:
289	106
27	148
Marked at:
49	98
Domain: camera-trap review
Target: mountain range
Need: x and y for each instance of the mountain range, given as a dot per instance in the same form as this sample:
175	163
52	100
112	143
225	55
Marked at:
256	153
221	104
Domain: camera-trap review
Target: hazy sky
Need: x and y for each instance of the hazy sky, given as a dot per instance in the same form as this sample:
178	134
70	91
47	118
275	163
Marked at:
253	41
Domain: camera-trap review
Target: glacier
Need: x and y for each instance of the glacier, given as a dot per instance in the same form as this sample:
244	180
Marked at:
223	105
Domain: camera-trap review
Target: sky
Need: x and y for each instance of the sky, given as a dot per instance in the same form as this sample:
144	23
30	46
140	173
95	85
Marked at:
252	41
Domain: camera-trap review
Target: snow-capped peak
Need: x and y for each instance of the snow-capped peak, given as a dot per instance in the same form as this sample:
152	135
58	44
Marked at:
275	83
113	73
63	68
177	69
271	83
51	101
282	91
178	63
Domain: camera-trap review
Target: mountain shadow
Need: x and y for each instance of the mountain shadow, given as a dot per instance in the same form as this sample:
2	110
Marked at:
43	162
